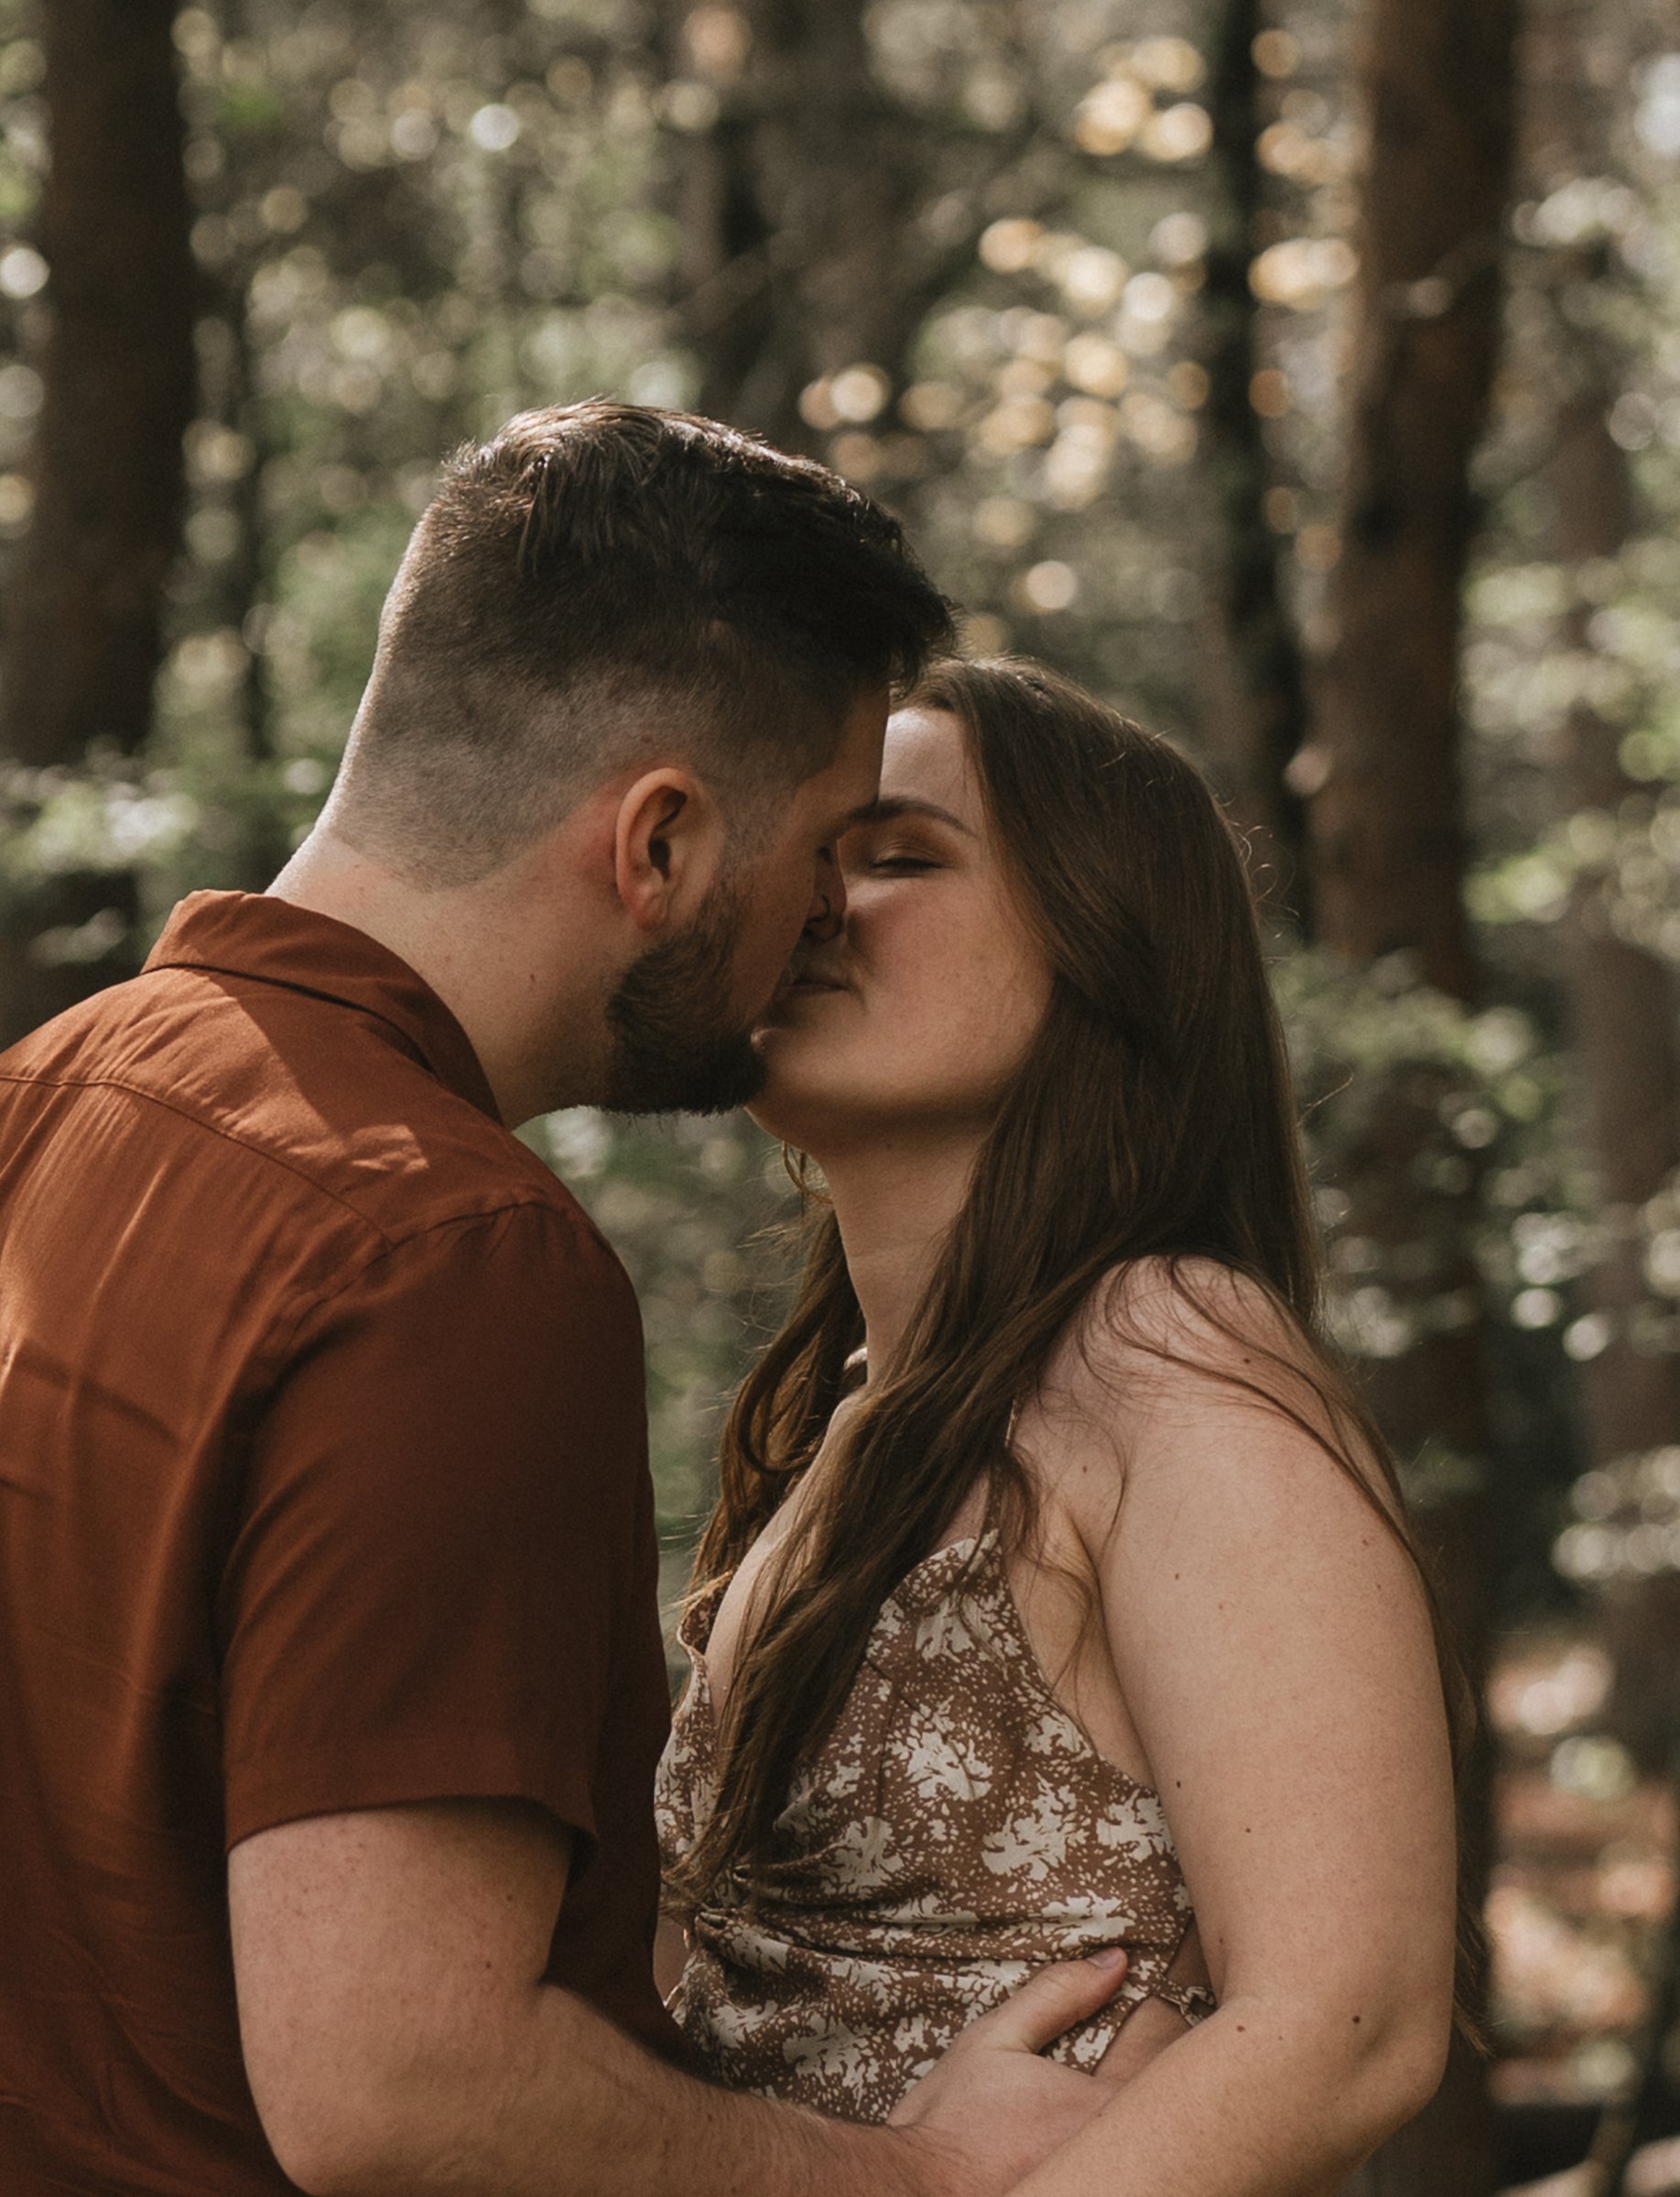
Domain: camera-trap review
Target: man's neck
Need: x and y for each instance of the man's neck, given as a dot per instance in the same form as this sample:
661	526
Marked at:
537	1036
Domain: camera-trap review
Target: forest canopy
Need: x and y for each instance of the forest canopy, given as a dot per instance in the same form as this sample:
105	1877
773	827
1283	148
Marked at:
1306	380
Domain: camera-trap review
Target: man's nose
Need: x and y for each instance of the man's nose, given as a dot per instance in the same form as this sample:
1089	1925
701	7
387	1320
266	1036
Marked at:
827	902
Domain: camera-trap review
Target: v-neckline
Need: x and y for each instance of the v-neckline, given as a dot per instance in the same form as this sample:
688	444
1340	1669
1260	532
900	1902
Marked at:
703	1612
698	1700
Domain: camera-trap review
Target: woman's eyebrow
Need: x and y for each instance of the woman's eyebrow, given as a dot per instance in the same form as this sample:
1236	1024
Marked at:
887	809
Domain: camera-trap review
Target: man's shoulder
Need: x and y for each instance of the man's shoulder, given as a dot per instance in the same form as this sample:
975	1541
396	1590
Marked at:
305	1117
518	1217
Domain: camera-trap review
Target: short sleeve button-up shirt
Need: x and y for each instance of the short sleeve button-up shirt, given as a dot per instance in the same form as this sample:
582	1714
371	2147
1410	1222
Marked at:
323	1487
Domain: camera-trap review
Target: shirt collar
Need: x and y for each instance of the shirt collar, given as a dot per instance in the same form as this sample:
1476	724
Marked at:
274	941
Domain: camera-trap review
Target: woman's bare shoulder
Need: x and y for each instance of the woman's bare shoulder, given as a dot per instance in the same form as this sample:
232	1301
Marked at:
1160	1330
1183	1366
1190	1308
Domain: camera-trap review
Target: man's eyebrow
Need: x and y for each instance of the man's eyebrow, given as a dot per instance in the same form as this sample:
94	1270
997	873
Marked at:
887	809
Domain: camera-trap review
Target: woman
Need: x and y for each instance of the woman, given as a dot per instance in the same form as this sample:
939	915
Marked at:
1059	1594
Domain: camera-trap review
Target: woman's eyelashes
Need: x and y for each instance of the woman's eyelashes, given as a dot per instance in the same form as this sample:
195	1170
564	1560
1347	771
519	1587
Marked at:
864	860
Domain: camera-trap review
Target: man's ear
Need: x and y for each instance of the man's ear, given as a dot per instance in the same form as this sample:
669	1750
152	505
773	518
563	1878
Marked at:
668	846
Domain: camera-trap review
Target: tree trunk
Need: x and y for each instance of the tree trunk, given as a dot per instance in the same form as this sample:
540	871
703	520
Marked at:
1627	1056
1385	825
799	204
1256	696
1626	1043
1387	837
241	584
82	631
1621	999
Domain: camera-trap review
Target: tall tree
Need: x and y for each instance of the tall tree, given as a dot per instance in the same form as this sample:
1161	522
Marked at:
1385	827
1621	997
796	198
1257	699
83	622
804	187
1386	831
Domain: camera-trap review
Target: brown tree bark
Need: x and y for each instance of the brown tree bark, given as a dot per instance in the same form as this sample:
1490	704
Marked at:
83	620
1627	1051
1385	826
799	205
1255	686
1621	999
1388	854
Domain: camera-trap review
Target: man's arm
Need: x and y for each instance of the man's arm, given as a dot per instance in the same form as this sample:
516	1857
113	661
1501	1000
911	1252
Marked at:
400	2042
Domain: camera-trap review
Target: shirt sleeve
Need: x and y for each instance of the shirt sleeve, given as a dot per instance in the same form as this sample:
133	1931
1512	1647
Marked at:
438	1515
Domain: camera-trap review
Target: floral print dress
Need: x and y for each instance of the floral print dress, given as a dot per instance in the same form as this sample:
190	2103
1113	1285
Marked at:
957	1831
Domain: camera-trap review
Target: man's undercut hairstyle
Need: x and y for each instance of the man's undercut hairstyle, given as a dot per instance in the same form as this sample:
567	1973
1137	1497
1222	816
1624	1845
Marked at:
601	584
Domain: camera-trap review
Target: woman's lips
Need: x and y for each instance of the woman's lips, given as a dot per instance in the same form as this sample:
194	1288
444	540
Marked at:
793	989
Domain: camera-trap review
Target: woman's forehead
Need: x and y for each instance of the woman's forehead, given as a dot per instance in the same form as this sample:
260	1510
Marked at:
925	759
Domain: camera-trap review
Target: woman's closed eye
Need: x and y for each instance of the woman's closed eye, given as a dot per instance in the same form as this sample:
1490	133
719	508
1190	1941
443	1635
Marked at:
899	865
866	854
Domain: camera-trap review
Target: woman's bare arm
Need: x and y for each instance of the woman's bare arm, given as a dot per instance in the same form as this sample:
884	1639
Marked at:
1272	1642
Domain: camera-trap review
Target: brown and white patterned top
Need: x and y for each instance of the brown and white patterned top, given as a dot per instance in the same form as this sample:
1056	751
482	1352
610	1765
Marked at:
957	1831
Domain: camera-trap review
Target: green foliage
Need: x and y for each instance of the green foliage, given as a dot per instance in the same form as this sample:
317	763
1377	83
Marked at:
703	1214
414	221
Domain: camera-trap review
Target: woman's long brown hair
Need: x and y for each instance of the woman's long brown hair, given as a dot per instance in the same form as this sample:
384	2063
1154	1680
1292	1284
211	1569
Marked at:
1154	1118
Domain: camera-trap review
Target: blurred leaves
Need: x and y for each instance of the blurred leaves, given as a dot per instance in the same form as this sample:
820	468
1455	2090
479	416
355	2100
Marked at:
414	219
413	223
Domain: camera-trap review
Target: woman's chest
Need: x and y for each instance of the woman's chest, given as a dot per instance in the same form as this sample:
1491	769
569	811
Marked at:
953	1786
751	1592
1057	1635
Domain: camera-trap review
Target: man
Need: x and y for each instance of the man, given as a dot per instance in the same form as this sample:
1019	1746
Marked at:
332	1683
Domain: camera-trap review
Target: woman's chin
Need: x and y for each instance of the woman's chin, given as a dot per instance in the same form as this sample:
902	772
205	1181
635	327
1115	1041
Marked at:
781	1117
817	1093
794	1107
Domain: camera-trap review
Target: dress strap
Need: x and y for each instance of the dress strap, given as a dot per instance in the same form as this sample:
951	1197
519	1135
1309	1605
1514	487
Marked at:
1193	2002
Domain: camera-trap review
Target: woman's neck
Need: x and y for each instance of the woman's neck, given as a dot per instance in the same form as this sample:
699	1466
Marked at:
895	1200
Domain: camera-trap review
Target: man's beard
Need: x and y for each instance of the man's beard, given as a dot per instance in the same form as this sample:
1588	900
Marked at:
673	1051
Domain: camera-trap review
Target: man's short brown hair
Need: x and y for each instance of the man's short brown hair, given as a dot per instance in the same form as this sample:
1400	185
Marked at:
596	579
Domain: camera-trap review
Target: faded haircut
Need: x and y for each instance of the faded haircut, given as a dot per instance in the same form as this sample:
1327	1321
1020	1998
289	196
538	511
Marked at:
602	583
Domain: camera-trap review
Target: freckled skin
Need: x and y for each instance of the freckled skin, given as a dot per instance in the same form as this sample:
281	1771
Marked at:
1262	1655
894	1047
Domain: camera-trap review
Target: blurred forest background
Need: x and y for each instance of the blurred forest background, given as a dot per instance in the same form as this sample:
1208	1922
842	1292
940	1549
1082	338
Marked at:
1306	378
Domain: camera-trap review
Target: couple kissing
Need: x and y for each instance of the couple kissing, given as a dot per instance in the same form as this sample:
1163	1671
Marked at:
1061	1800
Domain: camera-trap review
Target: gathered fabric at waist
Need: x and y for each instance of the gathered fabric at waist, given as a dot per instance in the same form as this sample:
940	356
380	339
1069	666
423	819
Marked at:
956	1830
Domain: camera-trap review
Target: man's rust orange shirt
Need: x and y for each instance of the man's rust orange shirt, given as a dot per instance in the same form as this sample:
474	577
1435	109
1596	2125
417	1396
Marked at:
323	1486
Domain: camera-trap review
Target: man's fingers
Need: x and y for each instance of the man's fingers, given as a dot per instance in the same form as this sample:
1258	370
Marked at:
1050	2002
